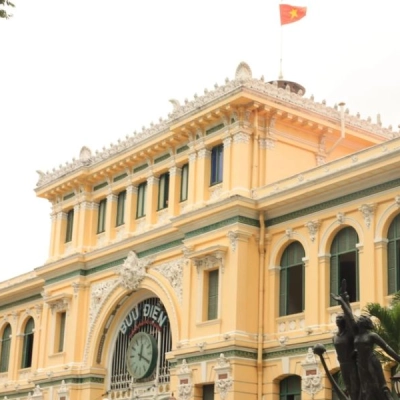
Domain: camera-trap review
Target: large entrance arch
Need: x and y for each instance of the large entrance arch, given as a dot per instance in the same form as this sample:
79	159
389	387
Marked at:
138	366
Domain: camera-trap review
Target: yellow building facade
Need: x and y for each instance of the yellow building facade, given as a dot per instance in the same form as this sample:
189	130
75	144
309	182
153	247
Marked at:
195	259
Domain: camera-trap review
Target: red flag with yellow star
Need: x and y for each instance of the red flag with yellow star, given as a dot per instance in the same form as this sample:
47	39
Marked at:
291	14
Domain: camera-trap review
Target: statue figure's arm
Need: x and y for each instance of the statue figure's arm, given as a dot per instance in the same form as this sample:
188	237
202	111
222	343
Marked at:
348	312
384	346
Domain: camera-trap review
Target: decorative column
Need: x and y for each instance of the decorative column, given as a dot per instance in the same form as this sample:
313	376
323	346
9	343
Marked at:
75	229
203	174
227	164
311	381
185	385
175	175
63	391
60	233
223	376
192	179
152	197
241	150
130	208
87	226
54	238
111	216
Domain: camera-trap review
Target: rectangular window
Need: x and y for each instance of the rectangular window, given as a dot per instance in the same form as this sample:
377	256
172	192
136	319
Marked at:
70	225
208	392
184	182
163	191
217	160
60	331
101	220
212	306
121	208
141	200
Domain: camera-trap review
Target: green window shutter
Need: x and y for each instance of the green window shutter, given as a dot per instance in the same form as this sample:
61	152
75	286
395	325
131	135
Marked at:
28	344
121	208
5	349
184	182
282	292
101	220
213	279
334	277
392	266
62	319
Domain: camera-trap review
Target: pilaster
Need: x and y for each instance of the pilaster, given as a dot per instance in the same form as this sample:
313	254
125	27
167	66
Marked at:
192	178
175	175
130	208
152	197
203	173
111	215
241	150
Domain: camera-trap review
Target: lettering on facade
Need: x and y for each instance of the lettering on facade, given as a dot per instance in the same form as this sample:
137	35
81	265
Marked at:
143	315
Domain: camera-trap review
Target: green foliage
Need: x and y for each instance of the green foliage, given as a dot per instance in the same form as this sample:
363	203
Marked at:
3	12
388	323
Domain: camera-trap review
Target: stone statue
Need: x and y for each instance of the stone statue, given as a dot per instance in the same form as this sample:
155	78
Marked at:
371	381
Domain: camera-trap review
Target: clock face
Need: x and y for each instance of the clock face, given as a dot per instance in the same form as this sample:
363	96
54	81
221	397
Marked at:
141	356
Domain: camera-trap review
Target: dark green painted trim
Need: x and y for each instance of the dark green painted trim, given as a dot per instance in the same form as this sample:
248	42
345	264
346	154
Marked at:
162	247
334	202
162	158
140	168
199	357
52	383
100	186
221	224
182	149
78	272
22	301
119	177
69	196
214	129
284	352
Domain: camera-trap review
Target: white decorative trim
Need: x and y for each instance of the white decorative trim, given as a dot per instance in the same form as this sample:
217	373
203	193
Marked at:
223	381
241	138
60	302
173	271
313	227
367	210
311	381
244	80
132	271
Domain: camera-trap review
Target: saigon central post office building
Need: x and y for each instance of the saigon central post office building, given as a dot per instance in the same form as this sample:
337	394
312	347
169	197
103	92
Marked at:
195	259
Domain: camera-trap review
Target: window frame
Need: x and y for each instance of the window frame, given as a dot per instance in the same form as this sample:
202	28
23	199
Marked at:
292	259
121	202
344	244
141	200
28	343
5	348
61	319
217	164
184	190
163	191
101	216
69	226
393	256
211	292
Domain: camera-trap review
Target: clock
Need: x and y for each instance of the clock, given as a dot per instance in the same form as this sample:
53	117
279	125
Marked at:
141	355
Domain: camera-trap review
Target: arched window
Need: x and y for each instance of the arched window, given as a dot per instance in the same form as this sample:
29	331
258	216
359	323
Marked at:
393	256
291	294
28	344
344	263
290	388
5	348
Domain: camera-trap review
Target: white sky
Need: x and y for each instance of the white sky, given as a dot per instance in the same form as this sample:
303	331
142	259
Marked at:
89	73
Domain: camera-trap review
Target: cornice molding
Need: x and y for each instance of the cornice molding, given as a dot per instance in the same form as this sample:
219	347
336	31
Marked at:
242	82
